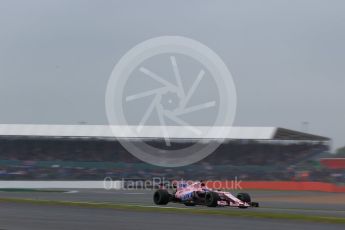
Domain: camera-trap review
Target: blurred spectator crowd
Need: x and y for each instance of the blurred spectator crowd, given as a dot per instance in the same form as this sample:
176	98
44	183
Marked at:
94	159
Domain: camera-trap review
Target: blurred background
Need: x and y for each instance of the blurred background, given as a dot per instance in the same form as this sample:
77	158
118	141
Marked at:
286	58
57	154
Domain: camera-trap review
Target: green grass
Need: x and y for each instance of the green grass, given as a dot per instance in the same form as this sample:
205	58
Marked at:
222	212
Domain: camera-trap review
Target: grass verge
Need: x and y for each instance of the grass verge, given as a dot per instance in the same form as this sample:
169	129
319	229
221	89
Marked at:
223	212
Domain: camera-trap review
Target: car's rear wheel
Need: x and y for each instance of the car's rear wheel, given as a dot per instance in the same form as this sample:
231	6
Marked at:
161	197
211	199
245	197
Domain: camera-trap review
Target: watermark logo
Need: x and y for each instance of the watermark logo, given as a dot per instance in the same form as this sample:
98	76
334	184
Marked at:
172	88
158	182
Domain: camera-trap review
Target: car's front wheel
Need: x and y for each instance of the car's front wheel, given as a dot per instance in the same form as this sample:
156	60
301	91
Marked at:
245	197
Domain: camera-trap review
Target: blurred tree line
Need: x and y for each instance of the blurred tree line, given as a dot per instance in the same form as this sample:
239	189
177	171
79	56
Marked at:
341	152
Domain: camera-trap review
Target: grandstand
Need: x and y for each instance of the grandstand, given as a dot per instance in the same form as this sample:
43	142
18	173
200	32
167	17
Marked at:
89	152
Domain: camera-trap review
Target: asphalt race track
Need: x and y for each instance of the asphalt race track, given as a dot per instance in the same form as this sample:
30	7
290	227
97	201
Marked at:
36	216
24	216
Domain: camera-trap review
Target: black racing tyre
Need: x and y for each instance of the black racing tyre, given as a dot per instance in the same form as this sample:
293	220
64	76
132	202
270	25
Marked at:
161	197
244	197
211	199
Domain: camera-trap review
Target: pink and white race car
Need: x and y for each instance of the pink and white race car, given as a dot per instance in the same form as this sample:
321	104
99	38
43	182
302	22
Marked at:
197	193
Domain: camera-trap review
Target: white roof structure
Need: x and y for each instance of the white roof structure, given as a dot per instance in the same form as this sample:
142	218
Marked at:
178	132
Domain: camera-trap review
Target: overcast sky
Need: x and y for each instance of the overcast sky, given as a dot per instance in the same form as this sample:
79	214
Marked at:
287	58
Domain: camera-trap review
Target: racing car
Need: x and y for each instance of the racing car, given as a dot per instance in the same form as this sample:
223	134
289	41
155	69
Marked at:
197	193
